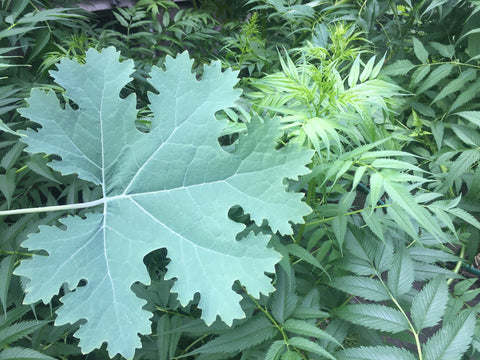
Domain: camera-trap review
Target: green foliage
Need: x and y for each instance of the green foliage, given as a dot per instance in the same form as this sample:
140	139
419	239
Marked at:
385	97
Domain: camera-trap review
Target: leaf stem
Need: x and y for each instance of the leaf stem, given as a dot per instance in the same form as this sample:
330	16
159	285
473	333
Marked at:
52	208
399	307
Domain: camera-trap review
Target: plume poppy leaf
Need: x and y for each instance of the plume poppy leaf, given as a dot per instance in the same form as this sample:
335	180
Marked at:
169	188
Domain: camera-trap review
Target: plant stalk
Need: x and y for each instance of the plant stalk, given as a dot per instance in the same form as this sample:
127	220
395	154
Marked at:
52	208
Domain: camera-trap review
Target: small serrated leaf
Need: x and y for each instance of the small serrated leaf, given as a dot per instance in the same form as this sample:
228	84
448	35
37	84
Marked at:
38	165
420	52
399	67
6	267
429	304
472	116
368	288
452	340
375	353
456	84
275	350
303	254
253	332
400	195
354	72
420	253
291	355
376	189
466	159
434	78
284	300
306	329
308	345
8	185
400	276
18	353
374	316
18	330
10	158
367	71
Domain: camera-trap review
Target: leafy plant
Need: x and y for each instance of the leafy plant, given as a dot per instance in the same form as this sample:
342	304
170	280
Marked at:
382	97
194	169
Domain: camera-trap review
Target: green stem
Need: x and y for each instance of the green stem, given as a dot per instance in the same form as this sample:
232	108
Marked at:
52	208
14	253
193	343
459	263
412	329
324	220
410	325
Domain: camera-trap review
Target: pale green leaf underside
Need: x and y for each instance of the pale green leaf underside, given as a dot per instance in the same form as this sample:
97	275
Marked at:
172	187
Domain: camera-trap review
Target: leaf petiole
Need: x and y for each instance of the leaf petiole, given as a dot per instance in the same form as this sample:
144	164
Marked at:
53	208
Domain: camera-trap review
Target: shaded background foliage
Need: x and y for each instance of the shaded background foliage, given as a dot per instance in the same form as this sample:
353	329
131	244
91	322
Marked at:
386	97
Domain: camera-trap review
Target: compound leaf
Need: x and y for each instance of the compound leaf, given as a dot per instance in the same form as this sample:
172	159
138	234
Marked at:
171	187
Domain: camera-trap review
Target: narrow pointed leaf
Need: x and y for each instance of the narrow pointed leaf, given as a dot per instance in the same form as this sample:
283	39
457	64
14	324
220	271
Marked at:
253	332
310	346
399	67
452	340
400	276
18	330
308	330
420	52
284	300
466	159
375	353
373	316
275	350
428	306
354	72
367	71
18	353
435	77
6	267
402	197
456	84
368	288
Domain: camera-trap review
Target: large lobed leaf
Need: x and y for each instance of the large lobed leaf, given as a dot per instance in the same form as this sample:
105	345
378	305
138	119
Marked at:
172	187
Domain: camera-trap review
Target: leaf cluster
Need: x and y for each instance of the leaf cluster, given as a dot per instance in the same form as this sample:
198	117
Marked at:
385	98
